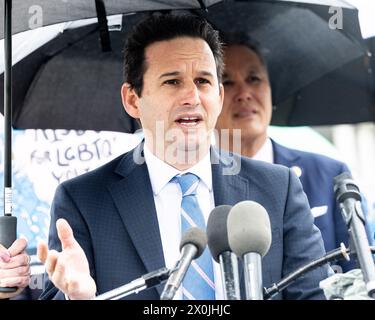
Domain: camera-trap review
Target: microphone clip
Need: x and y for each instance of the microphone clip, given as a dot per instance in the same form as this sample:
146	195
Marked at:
156	277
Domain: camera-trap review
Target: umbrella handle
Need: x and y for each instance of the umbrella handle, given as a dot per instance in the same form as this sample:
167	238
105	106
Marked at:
8	234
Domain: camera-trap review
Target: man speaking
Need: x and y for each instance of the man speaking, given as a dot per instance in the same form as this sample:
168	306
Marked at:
125	219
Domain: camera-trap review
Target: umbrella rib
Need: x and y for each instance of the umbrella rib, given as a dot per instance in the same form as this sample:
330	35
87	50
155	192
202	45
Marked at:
103	26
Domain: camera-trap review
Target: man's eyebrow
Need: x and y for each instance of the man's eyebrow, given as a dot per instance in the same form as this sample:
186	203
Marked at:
170	74
206	73
177	73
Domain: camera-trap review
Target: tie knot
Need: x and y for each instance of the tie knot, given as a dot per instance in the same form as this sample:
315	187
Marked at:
188	183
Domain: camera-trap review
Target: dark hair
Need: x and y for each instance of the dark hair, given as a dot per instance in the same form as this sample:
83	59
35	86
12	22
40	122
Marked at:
243	39
160	27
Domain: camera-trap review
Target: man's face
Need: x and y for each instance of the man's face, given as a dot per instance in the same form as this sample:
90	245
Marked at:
180	92
247	103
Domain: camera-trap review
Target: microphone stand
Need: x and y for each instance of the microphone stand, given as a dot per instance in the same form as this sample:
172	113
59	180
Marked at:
334	255
349	198
148	280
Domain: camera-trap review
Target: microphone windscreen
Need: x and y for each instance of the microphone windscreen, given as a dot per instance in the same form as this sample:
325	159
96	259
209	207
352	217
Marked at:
344	183
249	228
341	177
217	234
196	237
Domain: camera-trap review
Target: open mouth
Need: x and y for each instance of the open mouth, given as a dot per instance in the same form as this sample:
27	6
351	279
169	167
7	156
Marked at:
189	121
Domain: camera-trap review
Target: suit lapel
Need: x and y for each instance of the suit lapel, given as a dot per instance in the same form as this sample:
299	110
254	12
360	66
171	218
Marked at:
229	188
283	155
133	197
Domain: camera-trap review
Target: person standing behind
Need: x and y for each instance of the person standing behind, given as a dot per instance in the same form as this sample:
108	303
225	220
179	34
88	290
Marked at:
248	107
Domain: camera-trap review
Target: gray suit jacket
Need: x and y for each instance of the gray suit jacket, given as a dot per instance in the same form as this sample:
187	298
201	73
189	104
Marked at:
113	215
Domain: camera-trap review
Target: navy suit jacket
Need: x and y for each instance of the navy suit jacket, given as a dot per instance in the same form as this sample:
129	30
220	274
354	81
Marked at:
113	216
317	173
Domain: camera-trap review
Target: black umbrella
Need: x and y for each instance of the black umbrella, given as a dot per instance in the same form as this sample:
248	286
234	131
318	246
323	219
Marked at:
297	41
345	95
70	83
29	14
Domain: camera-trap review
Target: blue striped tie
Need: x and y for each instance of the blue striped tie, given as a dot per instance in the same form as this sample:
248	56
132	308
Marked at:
198	283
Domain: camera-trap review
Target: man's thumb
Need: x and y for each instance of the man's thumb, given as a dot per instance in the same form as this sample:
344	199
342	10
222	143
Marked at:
65	234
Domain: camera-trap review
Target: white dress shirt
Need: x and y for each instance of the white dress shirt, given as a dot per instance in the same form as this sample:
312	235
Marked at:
168	197
265	153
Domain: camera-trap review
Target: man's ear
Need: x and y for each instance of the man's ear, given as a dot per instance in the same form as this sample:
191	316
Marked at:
130	100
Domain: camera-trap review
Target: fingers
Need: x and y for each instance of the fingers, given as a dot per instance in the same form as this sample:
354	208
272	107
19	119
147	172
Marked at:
50	262
65	234
55	268
17	247
42	251
6	255
18	261
59	277
14	267
15	272
18	272
20	282
54	263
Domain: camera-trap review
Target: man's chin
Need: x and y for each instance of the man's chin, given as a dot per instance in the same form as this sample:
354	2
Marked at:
189	145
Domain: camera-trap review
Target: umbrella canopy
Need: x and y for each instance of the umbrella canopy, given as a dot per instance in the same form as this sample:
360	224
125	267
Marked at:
345	95
297	41
30	14
70	83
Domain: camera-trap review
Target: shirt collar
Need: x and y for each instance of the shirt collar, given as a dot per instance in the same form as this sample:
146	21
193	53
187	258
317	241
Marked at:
161	173
265	153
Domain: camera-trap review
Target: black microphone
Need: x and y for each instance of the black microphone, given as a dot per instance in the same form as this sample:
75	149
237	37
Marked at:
340	253
349	198
192	245
146	281
220	250
249	236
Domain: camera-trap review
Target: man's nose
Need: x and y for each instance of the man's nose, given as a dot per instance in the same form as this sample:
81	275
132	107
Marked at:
190	95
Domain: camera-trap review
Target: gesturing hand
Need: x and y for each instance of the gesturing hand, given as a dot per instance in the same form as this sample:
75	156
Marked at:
69	269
